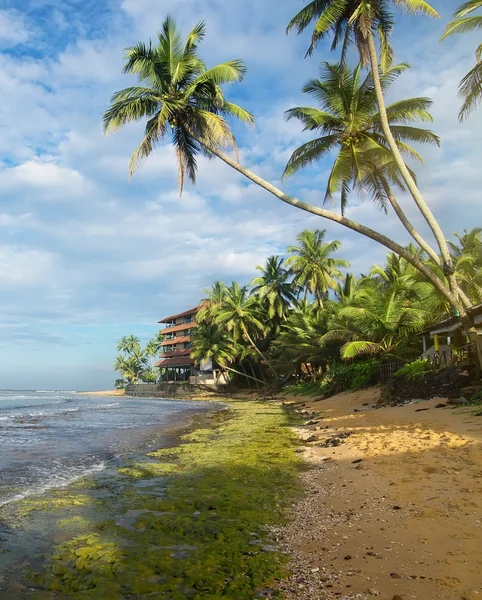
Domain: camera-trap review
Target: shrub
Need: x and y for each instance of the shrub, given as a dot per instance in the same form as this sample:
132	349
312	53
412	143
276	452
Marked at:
340	377
414	369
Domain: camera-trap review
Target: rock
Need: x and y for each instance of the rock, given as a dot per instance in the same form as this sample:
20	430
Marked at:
395	576
396	507
312	438
421	409
440	405
457	401
348	557
373	592
355	462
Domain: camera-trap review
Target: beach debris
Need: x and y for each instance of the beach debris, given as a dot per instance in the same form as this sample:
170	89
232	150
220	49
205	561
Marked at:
355	462
373	592
421	409
440	405
395	576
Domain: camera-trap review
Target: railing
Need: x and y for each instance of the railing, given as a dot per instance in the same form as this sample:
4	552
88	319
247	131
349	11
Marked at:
388	369
465	355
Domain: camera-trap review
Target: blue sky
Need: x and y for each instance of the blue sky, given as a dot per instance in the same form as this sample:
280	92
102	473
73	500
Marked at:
86	256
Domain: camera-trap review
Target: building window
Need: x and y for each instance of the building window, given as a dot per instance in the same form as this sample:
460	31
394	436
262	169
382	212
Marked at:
187	319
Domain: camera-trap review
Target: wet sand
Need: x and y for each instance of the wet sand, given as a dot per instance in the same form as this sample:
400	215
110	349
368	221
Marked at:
395	510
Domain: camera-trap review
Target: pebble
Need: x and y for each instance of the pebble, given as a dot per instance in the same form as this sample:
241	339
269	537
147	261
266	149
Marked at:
395	576
373	592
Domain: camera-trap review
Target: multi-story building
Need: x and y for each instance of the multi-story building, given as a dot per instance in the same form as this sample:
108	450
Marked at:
176	363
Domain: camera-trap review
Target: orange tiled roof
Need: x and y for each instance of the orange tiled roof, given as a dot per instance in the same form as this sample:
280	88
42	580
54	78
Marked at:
180	327
181	361
176	340
186	313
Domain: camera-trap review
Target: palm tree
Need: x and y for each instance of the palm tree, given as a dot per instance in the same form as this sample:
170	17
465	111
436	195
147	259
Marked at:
128	344
467	255
194	106
240	314
152	348
349	121
213	300
208	341
275	289
357	20
380	321
311	263
179	95
470	88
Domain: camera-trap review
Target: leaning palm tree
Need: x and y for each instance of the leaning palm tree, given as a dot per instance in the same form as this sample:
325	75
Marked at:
348	120
195	114
312	265
208	341
470	89
275	289
359	21
179	95
241	315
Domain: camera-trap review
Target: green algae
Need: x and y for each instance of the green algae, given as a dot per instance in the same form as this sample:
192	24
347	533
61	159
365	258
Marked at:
205	537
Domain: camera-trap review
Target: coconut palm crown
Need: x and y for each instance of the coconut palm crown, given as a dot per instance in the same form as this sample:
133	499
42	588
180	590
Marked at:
350	21
180	95
470	89
349	120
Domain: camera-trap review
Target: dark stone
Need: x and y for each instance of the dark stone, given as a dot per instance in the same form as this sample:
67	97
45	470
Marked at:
440	405
348	557
395	576
421	409
312	438
358	460
396	507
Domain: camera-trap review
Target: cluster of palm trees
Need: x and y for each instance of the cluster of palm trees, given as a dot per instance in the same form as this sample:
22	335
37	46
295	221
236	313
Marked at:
135	363
302	313
370	141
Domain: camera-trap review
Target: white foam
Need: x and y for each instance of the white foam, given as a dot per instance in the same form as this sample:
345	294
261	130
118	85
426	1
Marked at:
55	481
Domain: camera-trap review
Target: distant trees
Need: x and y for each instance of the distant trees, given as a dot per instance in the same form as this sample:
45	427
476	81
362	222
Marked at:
133	361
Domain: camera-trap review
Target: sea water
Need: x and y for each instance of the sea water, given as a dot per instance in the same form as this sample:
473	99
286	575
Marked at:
49	439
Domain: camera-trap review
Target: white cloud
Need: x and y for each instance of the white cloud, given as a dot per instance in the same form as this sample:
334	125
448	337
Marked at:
13	29
25	267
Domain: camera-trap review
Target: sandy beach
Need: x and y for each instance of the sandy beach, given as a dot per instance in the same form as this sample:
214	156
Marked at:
104	393
395	510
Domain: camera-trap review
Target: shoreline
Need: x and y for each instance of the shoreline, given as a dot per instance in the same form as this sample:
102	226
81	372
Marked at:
186	520
391	505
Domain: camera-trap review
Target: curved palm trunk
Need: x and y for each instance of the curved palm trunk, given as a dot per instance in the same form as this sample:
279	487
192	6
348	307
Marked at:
449	294
406	223
412	186
243	374
256	349
417	237
342	220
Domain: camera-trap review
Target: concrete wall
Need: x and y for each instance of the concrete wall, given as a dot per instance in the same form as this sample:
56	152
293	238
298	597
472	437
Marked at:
165	390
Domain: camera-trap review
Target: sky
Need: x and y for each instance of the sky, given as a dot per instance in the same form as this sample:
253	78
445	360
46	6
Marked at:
87	256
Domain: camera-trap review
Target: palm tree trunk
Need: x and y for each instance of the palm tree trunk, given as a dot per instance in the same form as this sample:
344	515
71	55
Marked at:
451	295
243	374
252	371
261	354
342	220
412	186
417	237
406	223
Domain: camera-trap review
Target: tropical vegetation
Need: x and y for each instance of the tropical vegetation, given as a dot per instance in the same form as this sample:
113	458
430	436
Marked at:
134	363
370	141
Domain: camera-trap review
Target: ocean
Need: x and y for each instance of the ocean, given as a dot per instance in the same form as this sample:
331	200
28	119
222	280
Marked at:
49	439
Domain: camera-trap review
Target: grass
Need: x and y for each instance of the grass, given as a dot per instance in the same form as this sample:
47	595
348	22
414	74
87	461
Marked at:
206	536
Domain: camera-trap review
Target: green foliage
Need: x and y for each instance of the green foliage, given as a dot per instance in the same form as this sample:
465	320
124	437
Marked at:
339	378
179	95
414	369
206	536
